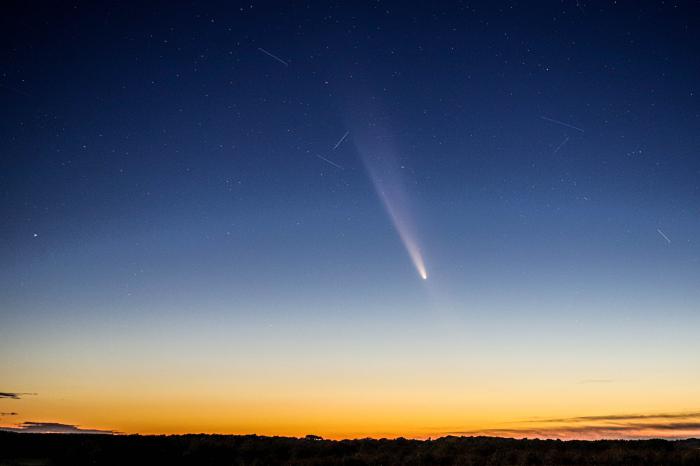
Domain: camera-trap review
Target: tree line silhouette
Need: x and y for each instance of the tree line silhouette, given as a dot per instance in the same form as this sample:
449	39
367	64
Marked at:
214	450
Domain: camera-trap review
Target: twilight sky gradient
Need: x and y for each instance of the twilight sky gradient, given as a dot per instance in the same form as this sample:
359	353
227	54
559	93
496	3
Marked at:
183	248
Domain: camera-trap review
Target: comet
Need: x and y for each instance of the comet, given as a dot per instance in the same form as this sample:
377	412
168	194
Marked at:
403	228
380	159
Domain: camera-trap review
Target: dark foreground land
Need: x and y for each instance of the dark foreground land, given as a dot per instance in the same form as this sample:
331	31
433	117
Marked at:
78	449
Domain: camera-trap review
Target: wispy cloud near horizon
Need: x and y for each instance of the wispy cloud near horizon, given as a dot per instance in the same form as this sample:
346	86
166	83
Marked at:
614	426
618	417
14	395
54	428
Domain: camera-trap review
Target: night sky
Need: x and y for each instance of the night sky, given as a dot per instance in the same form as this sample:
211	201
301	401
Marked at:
351	219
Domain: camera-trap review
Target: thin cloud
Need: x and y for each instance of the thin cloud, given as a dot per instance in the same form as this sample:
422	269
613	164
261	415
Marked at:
14	395
8	414
615	426
594	432
622	417
54	428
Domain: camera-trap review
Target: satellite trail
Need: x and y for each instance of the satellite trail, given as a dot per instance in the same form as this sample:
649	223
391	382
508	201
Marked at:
562	123
664	235
329	161
341	140
273	56
566	139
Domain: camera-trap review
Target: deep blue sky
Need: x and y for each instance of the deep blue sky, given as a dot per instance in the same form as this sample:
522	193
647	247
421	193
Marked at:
159	172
